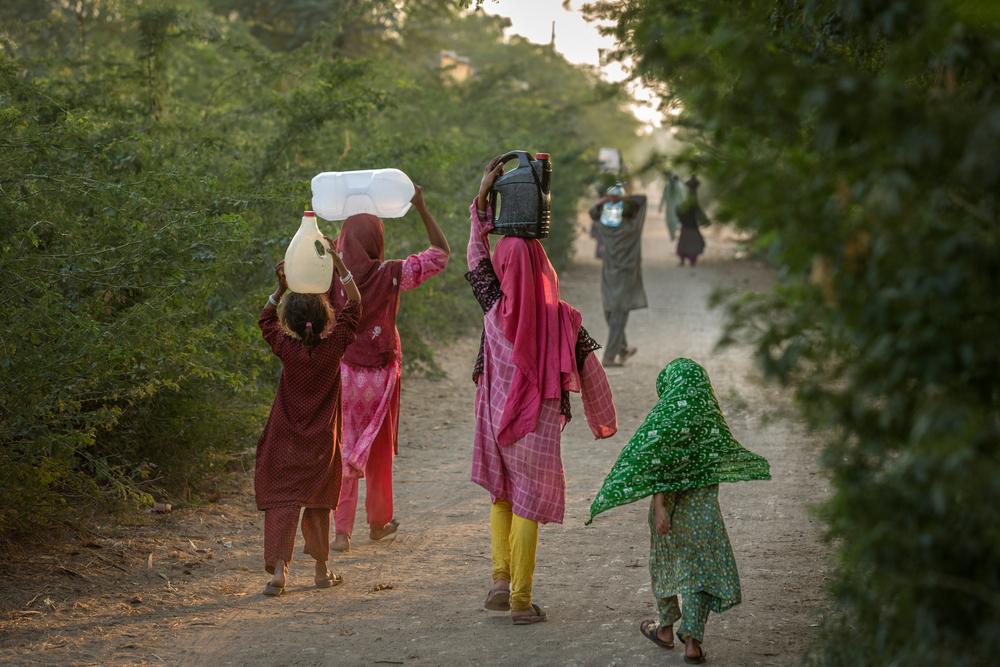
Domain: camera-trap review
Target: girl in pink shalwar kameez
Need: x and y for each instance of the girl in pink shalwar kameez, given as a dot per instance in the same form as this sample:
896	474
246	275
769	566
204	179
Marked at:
370	369
534	353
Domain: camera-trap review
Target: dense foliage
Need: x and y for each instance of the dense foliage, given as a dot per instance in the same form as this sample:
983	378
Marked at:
859	139
155	158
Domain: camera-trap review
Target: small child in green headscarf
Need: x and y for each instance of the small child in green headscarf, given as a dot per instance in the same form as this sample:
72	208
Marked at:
679	456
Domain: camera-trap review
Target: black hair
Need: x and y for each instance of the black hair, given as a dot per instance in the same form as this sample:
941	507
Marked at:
307	316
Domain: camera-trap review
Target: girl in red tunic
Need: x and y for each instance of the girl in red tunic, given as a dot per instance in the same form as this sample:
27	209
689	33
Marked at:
298	454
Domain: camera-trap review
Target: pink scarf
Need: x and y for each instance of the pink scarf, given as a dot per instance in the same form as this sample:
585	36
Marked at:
362	245
542	330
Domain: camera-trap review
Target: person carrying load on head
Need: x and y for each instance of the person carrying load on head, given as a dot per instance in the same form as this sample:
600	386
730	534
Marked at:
534	353
372	363
620	219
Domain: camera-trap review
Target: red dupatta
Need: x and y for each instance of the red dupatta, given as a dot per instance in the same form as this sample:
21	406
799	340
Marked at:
542	330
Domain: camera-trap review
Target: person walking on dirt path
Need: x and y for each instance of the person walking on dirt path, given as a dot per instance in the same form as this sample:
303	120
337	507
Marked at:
298	454
673	194
691	243
679	456
371	365
621	219
534	352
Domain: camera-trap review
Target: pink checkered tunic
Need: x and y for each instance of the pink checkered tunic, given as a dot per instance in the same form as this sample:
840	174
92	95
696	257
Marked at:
529	473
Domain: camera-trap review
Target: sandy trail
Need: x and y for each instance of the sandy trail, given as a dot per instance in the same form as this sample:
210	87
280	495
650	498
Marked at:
417	599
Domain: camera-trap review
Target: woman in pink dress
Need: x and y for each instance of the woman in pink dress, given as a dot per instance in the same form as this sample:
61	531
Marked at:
370	368
534	353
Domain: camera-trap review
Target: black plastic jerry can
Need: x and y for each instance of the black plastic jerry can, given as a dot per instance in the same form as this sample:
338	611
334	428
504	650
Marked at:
521	199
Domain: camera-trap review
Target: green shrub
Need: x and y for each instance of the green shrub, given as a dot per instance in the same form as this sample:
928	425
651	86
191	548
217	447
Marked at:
154	162
858	139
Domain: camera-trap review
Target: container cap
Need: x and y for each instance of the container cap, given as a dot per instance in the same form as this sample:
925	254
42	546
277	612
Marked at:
541	156
309	214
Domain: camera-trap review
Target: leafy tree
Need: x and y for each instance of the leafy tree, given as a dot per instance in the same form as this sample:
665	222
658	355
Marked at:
858	139
154	161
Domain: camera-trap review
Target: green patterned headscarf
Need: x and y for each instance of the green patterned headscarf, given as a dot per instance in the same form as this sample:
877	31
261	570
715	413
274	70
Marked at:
684	443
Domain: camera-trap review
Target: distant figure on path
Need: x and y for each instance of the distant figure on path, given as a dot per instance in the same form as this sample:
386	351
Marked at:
620	221
298	454
534	352
679	456
371	366
673	195
691	243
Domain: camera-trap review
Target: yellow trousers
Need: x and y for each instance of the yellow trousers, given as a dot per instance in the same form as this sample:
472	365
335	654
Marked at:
514	541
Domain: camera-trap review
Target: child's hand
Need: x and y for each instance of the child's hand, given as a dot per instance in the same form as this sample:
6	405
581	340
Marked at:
661	521
279	272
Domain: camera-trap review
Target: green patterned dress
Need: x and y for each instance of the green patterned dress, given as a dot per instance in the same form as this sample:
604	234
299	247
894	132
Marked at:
684	449
694	560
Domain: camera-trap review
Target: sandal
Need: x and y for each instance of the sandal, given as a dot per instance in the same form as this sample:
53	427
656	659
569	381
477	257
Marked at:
272	590
628	353
341	542
696	661
528	617
330	580
650	629
383	532
498	599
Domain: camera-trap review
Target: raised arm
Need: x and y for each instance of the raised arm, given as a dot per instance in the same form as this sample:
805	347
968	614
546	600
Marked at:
435	235
343	274
481	216
268	322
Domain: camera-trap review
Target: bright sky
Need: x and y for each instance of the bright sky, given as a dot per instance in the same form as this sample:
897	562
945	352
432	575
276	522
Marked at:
578	40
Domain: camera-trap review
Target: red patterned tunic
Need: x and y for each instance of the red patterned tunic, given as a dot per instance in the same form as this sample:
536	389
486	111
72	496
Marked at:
298	454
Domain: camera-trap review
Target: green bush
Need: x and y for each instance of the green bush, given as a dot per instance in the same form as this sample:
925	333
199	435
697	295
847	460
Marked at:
859	140
154	161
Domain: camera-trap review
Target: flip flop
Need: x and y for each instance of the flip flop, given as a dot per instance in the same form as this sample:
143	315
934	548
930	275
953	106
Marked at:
536	615
498	599
384	532
650	630
330	581
273	591
696	661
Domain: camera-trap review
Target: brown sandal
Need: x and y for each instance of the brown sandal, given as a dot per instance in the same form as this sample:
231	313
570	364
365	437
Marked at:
330	580
383	532
498	599
272	590
528	617
650	629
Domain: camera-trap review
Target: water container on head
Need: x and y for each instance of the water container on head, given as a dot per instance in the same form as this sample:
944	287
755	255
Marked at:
386	193
308	265
521	198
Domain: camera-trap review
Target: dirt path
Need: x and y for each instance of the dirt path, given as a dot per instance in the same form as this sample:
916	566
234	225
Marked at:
417	600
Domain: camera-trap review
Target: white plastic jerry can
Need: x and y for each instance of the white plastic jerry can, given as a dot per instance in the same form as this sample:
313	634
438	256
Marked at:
337	195
308	264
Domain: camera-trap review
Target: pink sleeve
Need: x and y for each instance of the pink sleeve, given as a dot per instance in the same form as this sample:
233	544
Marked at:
421	267
479	242
598	403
